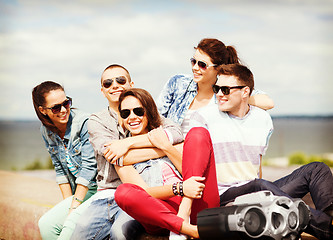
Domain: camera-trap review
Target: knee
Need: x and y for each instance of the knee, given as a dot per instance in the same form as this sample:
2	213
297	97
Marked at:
45	227
262	185
198	134
320	167
125	194
117	233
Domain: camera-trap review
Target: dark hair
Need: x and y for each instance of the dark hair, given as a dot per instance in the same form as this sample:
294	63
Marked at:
117	66
241	72
147	101
38	98
218	52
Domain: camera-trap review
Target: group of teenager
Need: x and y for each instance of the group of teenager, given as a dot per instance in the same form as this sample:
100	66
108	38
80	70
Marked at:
140	166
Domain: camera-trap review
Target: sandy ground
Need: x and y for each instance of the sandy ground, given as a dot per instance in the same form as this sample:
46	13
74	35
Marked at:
27	195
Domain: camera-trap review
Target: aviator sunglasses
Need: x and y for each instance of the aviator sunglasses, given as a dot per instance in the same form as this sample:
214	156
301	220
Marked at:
225	89
201	64
108	82
139	111
57	108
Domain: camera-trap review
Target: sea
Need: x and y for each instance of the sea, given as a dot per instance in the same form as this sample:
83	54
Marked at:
21	143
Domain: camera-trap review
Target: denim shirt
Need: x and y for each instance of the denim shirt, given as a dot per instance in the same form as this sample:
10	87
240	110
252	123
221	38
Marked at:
79	149
177	96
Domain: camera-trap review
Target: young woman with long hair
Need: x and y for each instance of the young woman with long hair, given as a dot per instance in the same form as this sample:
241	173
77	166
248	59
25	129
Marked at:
64	131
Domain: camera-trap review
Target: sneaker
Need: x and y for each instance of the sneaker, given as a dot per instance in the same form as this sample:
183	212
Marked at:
175	236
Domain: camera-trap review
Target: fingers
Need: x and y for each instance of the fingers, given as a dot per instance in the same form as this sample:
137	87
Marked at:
197	178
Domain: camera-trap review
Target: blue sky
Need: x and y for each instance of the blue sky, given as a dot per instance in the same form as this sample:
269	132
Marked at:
288	44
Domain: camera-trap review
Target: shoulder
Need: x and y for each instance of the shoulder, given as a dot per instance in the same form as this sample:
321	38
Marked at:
260	115
100	115
104	118
179	79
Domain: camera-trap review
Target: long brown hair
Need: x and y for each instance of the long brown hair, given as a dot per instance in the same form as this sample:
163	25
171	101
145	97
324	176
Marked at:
148	103
218	52
38	98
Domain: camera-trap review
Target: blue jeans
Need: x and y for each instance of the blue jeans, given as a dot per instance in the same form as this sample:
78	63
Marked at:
105	220
315	178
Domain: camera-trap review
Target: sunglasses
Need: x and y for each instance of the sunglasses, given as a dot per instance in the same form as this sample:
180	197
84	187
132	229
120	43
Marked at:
201	64
139	111
225	89
108	82
57	108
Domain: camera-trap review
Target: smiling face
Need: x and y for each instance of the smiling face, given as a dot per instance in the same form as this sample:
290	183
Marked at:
53	98
113	92
135	124
234	101
200	75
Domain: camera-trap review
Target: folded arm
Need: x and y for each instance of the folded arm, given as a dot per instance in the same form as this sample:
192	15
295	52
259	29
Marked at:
262	101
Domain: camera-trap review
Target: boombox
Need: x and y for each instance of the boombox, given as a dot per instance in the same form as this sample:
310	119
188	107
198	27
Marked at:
259	215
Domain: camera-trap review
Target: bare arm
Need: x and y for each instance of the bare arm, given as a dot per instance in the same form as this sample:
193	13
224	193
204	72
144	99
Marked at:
160	140
262	101
116	149
66	190
192	186
140	155
128	174
79	195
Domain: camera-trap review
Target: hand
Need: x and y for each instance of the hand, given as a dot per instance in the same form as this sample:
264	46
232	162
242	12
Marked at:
115	150
159	138
193	188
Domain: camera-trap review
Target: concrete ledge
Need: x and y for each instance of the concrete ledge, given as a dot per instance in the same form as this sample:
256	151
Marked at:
24	199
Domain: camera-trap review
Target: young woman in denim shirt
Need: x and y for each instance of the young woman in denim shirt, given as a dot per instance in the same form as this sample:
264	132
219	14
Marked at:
183	94
66	137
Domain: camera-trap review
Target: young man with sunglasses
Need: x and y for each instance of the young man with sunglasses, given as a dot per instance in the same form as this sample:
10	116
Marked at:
239	134
104	219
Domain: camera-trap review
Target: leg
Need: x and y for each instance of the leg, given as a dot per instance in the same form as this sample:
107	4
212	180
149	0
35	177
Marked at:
97	220
315	178
198	160
158	216
125	226
319	224
73	218
51	223
252	186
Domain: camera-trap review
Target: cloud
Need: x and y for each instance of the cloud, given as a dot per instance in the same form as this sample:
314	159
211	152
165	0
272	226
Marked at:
287	45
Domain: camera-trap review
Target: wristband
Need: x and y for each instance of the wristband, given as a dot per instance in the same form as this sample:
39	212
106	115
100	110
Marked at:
174	188
181	192
79	200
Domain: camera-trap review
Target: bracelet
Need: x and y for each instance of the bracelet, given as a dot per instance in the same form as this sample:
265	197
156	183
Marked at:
181	190
79	200
72	208
174	188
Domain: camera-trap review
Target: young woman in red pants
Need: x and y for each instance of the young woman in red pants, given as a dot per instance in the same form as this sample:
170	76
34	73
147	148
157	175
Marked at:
156	208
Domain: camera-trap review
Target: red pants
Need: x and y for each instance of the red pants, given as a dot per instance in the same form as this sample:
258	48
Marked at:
157	215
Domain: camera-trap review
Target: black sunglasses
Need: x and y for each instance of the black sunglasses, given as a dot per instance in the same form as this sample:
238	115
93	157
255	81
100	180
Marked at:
139	111
57	108
108	82
201	64
225	89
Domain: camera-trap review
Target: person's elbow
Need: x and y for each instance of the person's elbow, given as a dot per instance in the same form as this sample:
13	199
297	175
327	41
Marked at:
269	104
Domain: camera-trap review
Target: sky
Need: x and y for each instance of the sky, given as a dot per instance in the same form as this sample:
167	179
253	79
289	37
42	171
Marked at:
288	45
